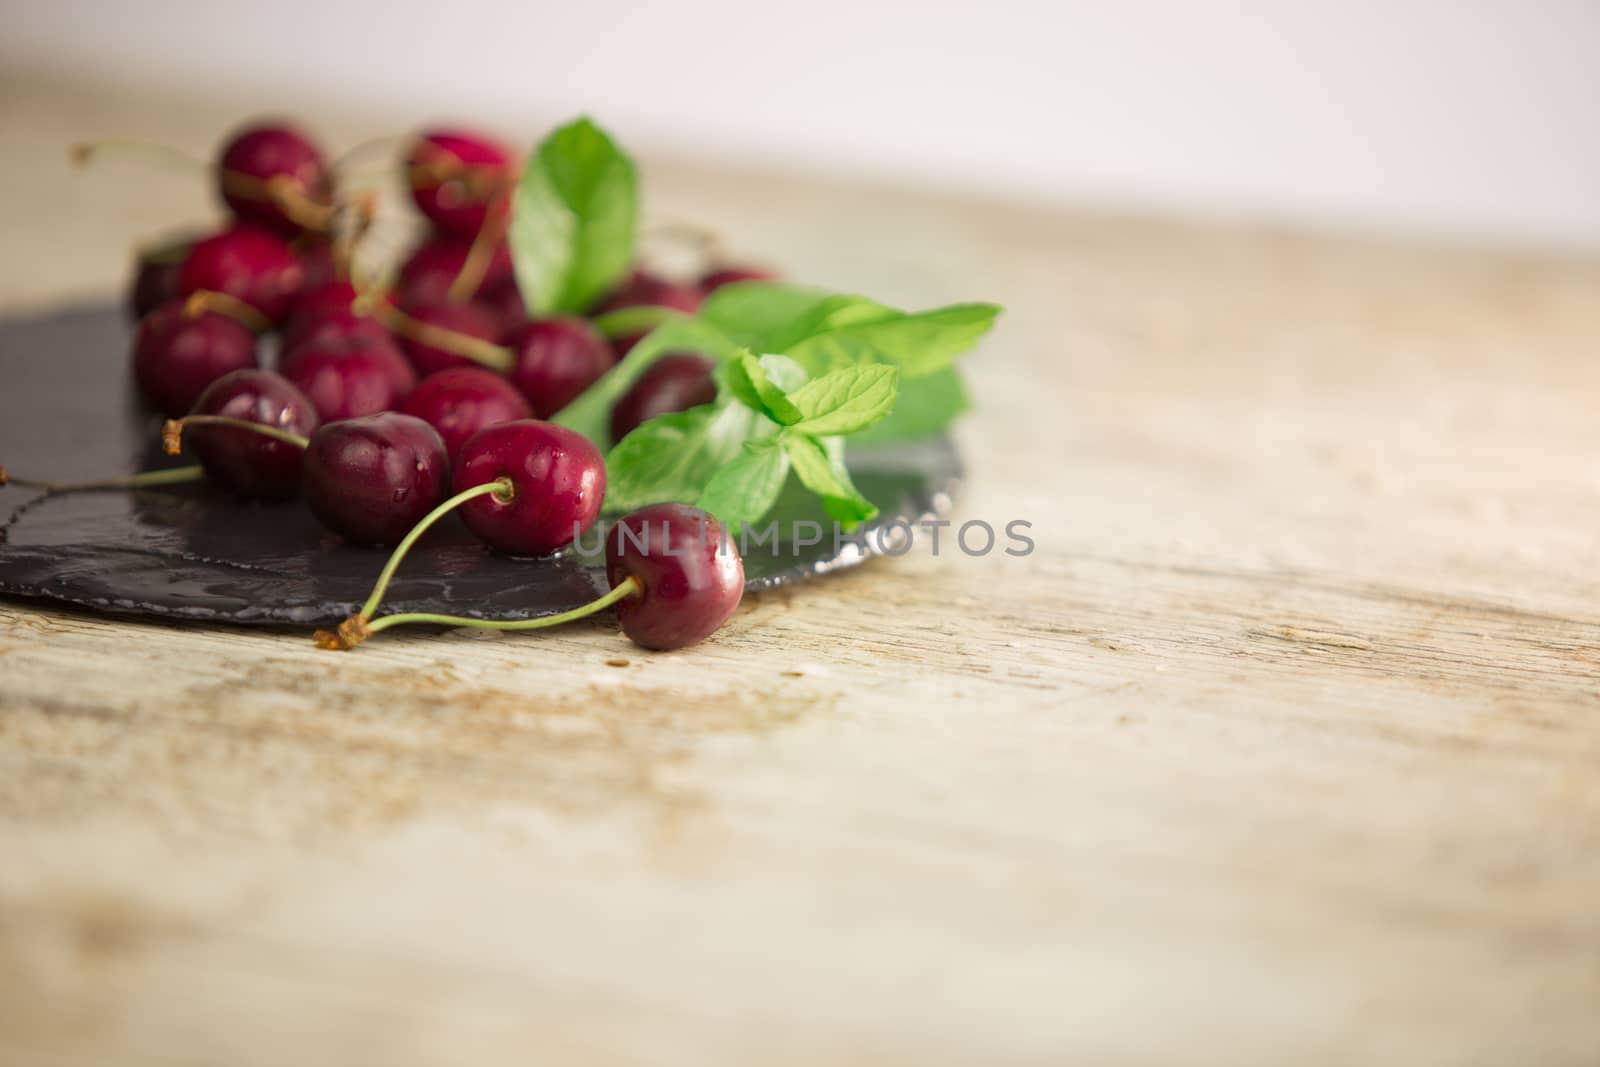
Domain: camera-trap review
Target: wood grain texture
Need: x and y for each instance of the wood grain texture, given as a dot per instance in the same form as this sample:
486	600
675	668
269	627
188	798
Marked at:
1282	746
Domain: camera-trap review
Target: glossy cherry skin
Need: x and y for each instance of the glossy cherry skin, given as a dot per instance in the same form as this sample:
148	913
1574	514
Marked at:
643	289
677	381
456	175
243	462
468	319
558	482
176	355
428	273
264	153
371	479
556	359
691	581
460	401
249	263
156	276
349	377
711	282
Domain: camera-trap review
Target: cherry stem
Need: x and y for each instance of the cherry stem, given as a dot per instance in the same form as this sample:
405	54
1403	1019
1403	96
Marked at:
476	265
500	487
145	480
172	432
83	152
629	586
204	300
491	355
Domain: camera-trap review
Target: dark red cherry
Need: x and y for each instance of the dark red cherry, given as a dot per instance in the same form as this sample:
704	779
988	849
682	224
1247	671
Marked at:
243	462
372	478
677	381
329	313
460	401
156	275
248	263
178	352
558	481
504	304
643	289
456	175
716	279
429	272
318	265
556	359
690	582
468	319
349	377
265	165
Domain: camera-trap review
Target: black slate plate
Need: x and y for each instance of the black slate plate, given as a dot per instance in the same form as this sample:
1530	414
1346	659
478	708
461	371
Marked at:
67	413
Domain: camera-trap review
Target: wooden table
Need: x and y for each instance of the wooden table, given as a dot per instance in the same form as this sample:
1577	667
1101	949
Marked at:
1283	747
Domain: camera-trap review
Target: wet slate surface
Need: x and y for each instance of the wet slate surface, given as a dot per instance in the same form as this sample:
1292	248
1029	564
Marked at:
67	412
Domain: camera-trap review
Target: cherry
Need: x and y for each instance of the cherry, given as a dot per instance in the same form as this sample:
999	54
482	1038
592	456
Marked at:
466	319
248	263
643	289
677	381
181	347
350	376
274	176
457	177
556	359
431	273
156	275
245	462
716	279
332	311
460	401
318	263
557	481
689	581
371	479
505	305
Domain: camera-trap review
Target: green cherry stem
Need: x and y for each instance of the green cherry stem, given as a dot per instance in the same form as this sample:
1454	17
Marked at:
172	432
145	480
627	587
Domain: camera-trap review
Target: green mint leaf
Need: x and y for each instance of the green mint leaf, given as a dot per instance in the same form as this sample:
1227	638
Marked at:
924	407
764	383
625	321
749	312
746	488
590	413
844	401
919	344
573	220
672	458
821	469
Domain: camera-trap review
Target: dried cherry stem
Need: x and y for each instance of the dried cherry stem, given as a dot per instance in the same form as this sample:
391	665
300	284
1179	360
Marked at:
478	180
479	256
172	432
491	355
355	629
144	480
204	300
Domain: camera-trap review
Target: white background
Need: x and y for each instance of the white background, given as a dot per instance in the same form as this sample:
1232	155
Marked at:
1477	118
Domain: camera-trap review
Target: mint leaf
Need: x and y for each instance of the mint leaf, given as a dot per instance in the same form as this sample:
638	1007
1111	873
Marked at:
924	407
763	384
573	219
821	469
590	413
749	312
746	488
672	458
845	401
919	344
641	319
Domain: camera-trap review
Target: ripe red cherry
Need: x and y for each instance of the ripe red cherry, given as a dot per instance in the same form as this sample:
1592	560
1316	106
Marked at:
677	381
456	175
556	359
716	279
179	351
468	319
504	304
248	263
156	275
431	270
643	289
349	377
371	479
243	462
689	581
317	262
266	169
557	478
329	313
460	401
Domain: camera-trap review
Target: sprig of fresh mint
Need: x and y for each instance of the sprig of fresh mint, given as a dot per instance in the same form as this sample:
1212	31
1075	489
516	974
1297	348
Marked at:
574	220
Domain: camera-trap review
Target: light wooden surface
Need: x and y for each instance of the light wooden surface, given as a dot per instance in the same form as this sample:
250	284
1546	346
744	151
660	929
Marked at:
1284	747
